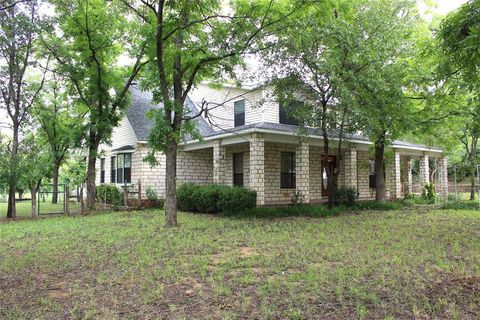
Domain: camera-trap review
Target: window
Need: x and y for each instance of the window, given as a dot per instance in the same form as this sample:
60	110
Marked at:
287	168
286	112
331	167
238	169
113	169
239	111
124	165
102	170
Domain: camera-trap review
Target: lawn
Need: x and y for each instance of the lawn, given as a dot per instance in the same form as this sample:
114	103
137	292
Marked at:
397	264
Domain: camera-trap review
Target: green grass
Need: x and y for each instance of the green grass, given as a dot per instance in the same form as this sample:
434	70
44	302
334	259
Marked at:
383	265
24	208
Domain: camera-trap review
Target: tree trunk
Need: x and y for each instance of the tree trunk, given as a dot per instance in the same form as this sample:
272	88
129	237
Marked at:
473	166
91	173
171	184
379	170
56	169
12	188
33	191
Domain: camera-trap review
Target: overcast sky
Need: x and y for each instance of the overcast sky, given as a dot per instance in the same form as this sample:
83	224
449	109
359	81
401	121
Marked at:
442	7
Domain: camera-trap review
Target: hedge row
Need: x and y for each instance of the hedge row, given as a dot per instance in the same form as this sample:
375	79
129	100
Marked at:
214	198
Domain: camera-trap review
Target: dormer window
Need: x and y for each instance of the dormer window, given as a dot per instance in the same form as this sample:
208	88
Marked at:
239	112
286	112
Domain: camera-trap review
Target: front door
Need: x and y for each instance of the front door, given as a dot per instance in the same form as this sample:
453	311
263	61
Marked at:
331	165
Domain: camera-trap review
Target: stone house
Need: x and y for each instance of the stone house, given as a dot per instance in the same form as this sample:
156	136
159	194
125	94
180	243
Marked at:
250	140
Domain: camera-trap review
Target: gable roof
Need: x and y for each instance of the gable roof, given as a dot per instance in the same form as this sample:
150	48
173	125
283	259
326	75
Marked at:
141	103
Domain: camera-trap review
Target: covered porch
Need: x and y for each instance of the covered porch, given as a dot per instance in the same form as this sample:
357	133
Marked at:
283	165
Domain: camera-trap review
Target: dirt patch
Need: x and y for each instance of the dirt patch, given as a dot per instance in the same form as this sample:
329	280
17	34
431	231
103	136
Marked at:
247	252
58	290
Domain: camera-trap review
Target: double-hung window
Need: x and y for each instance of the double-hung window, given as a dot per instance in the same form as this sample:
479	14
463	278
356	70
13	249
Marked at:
239	112
124	167
372	177
102	170
113	169
287	168
238	169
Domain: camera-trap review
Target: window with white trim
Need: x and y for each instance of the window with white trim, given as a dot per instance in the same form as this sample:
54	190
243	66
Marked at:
124	168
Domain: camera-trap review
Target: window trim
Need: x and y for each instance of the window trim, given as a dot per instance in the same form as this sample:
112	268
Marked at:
241	121
102	170
113	169
292	174
238	177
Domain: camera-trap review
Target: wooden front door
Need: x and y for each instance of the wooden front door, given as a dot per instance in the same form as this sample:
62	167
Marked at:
331	165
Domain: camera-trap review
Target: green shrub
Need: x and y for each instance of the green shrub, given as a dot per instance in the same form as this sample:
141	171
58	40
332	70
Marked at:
428	192
375	205
236	199
408	196
214	198
186	197
151	194
112	194
462	205
345	196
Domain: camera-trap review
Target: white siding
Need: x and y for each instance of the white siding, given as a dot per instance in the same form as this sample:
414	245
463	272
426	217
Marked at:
221	102
122	135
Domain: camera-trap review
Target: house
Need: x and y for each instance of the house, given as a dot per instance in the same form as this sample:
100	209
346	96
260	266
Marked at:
249	140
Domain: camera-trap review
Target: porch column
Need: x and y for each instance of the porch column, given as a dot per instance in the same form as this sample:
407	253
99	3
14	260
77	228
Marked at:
351	168
443	177
302	170
424	171
396	187
218	162
257	166
407	175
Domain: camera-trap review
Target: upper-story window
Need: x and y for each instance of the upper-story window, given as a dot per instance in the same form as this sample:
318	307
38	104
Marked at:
286	111
124	167
102	170
239	112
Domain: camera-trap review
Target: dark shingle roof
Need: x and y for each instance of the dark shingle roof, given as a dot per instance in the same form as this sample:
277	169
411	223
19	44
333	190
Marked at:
141	103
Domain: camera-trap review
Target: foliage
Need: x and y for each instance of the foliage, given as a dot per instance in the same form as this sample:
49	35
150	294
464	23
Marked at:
151	194
87	39
300	210
345	196
376	205
428	192
109	193
462	205
214	198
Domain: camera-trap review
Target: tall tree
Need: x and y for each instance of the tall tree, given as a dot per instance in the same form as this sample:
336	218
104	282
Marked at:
191	41
61	124
459	42
19	26
94	35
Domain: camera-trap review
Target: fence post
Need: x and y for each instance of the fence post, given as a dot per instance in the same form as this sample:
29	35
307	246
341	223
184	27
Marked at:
125	197
139	193
67	200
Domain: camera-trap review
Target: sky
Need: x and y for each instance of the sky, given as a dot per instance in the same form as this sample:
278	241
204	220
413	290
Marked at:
442	7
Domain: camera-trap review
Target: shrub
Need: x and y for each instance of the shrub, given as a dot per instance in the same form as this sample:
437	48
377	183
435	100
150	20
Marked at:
151	194
428	192
375	205
345	196
462	205
186	197
236	199
214	198
112	194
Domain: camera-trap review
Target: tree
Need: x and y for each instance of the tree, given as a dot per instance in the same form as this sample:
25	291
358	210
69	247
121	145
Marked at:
191	41
35	165
61	124
383	111
19	26
94	34
340	58
459	42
